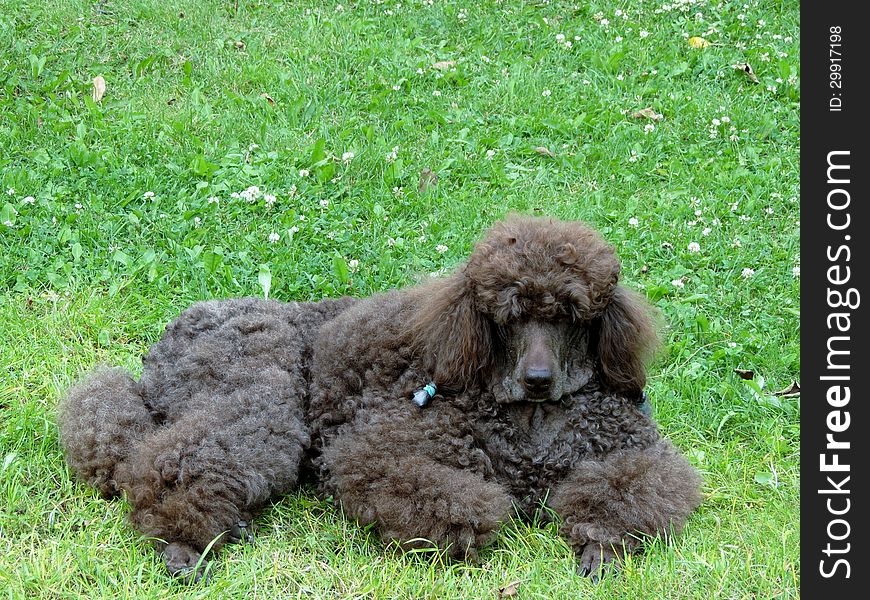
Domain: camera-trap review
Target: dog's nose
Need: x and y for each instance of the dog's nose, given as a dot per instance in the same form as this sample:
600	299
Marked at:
537	380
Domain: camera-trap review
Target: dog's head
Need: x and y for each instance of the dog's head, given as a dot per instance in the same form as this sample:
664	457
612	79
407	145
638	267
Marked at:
536	313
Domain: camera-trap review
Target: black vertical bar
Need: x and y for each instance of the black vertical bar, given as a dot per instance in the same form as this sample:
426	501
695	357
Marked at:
835	300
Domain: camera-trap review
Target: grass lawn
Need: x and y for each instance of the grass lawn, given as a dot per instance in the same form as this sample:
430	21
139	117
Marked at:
245	147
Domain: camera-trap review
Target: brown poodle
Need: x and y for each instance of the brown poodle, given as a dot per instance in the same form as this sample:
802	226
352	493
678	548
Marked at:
435	412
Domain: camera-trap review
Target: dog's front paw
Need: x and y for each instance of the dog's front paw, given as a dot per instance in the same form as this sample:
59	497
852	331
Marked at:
241	533
593	558
184	562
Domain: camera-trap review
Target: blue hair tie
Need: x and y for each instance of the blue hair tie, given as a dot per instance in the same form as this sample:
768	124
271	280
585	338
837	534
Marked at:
423	396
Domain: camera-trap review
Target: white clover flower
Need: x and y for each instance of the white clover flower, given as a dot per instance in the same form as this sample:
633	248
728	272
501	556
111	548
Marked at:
716	122
353	265
8	223
213	199
633	222
145	196
604	22
644	33
648	128
324	203
11	192
301	217
560	37
489	154
274	237
546	93
29	200
732	344
294	229
398	192
347	157
633	157
618	39
197	221
706	231
694	247
437	93
736	243
396	88
746	273
678	283
796	272
269	199
485	58
441	248
304	172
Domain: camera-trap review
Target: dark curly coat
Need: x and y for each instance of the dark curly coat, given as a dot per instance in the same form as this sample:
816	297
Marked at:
538	358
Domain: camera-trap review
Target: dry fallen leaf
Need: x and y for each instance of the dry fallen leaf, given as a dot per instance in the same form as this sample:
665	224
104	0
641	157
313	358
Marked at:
744	373
268	98
648	113
791	391
509	590
748	71
698	42
99	88
428	178
544	151
443	65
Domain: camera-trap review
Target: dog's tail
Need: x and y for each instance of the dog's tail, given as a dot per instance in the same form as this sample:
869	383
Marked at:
101	421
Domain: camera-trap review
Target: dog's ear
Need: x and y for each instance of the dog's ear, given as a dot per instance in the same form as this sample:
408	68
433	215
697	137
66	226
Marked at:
454	338
626	340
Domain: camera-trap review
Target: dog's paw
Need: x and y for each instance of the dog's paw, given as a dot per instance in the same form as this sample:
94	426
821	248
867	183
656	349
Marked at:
594	558
241	533
184	562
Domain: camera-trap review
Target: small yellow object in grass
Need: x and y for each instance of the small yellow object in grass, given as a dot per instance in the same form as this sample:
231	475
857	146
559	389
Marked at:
698	42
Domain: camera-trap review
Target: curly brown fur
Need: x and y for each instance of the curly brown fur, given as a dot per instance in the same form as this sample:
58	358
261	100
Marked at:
538	355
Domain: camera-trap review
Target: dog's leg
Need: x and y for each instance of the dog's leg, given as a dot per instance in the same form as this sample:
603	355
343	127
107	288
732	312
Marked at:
416	492
196	482
606	504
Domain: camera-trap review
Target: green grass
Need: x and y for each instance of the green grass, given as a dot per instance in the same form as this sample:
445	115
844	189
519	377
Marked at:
91	269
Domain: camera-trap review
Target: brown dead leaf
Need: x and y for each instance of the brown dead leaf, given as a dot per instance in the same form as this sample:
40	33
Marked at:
99	88
544	151
268	98
698	42
647	113
443	65
428	179
510	590
748	71
791	391
744	373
